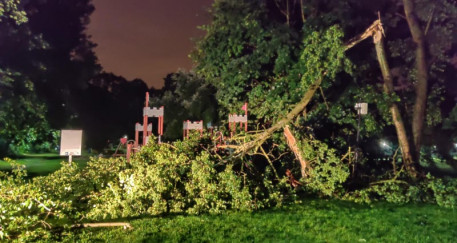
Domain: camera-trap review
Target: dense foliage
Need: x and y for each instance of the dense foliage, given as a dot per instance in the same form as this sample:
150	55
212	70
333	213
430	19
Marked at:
182	177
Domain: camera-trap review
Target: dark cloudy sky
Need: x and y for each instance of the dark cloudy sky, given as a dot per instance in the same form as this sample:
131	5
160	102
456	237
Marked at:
146	39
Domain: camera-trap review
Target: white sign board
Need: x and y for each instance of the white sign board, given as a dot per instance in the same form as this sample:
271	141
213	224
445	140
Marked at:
362	108
238	118
154	112
195	125
139	127
70	142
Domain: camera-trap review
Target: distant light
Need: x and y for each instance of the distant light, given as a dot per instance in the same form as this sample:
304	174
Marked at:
125	136
455	145
384	144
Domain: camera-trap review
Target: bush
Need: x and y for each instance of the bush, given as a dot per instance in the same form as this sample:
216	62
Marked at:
327	172
24	207
171	178
431	190
444	191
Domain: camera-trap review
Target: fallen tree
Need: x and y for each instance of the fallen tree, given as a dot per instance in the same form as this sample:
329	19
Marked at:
260	138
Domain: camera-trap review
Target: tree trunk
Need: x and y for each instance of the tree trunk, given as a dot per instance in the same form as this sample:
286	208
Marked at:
396	116
302	12
422	76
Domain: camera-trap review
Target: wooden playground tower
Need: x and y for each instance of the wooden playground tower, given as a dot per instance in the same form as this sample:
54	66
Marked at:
146	127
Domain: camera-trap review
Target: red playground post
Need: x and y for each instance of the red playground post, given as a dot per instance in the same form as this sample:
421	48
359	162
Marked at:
145	119
129	151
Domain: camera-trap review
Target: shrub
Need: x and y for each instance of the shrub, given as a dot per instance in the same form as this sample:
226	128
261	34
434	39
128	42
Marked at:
24	208
430	190
171	178
327	172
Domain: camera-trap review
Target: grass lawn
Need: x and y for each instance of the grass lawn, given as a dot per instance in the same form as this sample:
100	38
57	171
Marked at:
42	164
311	221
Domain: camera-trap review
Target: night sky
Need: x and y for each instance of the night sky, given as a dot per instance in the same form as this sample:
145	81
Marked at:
146	39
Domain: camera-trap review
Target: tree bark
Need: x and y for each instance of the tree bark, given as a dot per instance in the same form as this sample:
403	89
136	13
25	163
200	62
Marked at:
302	12
396	116
422	76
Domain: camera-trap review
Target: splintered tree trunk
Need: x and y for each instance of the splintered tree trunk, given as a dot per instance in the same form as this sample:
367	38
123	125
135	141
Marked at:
396	116
292	143
422	76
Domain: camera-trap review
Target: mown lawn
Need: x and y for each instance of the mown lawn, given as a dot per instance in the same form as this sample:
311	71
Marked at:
42	164
313	220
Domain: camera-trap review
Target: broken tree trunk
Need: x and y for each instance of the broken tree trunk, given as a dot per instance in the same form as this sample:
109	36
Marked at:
292	143
388	89
369	32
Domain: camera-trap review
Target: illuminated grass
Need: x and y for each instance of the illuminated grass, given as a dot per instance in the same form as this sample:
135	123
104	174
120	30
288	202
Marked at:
310	221
42	164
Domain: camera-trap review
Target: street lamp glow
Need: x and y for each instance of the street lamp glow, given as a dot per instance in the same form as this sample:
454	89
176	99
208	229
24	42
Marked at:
384	144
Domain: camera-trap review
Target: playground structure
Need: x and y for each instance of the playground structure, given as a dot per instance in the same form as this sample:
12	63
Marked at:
138	128
235	119
154	112
148	112
188	125
146	127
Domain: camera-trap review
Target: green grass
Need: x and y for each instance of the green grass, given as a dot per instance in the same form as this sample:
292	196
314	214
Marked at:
310	221
42	164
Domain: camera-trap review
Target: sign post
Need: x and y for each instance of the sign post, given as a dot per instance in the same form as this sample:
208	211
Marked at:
70	143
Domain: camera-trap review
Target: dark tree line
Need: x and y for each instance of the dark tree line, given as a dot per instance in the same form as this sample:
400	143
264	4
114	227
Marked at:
51	79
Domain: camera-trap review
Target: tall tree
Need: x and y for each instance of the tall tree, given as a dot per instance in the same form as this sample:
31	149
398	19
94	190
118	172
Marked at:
23	125
53	50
